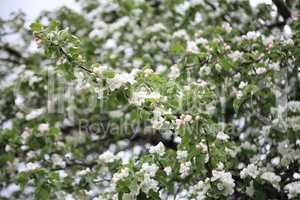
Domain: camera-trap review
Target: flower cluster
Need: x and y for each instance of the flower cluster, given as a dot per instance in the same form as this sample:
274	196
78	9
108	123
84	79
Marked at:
152	100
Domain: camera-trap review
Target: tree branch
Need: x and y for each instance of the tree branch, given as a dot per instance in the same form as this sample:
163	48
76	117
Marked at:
11	50
70	60
282	9
10	60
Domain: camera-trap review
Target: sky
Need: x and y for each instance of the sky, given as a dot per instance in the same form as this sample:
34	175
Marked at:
32	8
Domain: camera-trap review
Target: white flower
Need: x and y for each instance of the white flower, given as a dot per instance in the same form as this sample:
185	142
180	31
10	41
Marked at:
62	174
19	115
108	157
294	106
116	113
181	34
168	170
110	44
148	184
178	123
218	67
128	196
58	161
237	76
177	139
159	149
29	76
243	84
272	178
198	18
202	83
138	98
222	136
69	197
174	73
275	161
158	121
225	179
288	41
100	69
149	169
83	172
43	127
251	170
121	79
296	175
35	79
19	101
120	175
220	166
25	135
7	148
182	8
203	147
260	70
275	66
202	41
200	189
148	72
34	114
252	35
181	155
32	166
239	94
250	189
187	118
184	169
227	47
7	192
227	27
236	55
156	28
161	69
268	41
192	47
293	189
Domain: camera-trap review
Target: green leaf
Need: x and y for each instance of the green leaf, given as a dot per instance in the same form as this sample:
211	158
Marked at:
6	157
41	193
67	70
153	195
142	196
53	25
53	131
22	179
225	63
177	47
37	27
109	74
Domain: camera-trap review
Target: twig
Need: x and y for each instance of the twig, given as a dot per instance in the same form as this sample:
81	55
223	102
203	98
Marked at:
11	50
10	60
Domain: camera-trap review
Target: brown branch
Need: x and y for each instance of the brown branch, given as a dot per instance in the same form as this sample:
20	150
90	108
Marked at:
10	60
276	24
70	60
8	33
74	163
11	50
282	9
208	165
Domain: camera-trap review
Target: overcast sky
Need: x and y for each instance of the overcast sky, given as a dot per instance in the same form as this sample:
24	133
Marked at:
33	7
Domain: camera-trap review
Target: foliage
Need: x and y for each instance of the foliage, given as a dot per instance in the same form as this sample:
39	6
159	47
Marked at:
152	100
